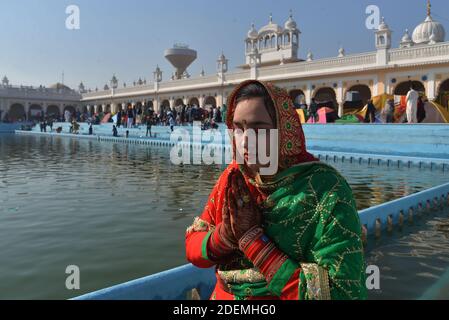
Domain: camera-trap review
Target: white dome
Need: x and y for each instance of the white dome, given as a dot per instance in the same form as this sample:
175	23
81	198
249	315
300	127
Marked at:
383	26
290	24
252	33
406	37
271	27
424	31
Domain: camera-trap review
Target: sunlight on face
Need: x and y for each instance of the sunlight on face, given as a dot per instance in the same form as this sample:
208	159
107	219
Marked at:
250	116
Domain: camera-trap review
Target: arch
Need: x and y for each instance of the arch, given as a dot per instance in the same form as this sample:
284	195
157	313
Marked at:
381	40
273	41
298	97
17	112
443	94
165	106
267	41
194	101
364	94
148	105
210	101
179	102
287	39
84	109
53	111
404	87
35	112
70	108
326	96
107	108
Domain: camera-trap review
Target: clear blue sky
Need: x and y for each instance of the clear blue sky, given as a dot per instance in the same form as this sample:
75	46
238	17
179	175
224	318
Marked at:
128	37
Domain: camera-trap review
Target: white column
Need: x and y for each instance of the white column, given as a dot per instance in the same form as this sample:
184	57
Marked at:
224	99
96	108
340	98
308	94
253	72
201	101
157	105
388	88
431	88
27	110
375	86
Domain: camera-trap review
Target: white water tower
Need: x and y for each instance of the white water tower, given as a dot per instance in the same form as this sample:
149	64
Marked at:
180	56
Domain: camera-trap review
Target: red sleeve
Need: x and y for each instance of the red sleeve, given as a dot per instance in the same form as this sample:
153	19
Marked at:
197	235
282	274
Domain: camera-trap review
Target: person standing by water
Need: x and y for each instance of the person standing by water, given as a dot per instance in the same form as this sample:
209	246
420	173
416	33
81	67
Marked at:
49	122
119	118
149	122
370	116
420	112
130	116
171	121
294	234
388	111
412	105
313	109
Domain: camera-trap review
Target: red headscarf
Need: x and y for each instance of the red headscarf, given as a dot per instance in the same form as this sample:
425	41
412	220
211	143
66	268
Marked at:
292	145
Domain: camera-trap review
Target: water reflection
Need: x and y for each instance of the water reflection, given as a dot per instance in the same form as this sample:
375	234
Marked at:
412	261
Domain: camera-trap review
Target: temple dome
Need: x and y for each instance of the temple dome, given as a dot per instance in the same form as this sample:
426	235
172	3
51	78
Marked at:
59	86
271	27
252	33
290	24
423	32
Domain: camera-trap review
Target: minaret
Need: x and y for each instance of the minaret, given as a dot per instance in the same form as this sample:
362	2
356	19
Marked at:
383	42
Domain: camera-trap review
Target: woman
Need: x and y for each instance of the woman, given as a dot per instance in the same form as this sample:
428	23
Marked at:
388	111
292	235
421	112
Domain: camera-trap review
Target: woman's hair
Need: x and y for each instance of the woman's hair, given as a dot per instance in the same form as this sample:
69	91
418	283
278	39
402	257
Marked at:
256	90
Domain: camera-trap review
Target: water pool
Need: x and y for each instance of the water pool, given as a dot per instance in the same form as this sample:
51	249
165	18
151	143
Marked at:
119	211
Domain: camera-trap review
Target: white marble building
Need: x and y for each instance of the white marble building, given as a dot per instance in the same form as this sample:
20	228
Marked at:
271	54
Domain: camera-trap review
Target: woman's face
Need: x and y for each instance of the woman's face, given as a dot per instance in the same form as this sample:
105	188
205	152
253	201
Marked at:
250	117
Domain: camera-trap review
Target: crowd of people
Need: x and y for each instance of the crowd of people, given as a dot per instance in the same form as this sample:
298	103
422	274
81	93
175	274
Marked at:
210	116
134	117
